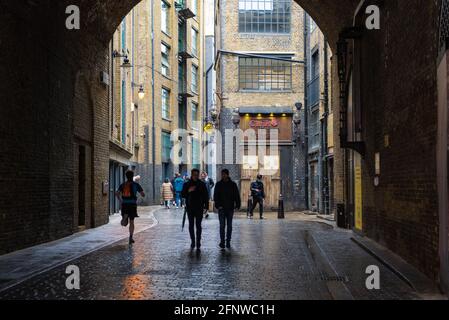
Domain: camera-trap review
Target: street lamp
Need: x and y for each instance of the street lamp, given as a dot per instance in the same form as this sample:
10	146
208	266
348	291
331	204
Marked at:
141	92
124	55
213	114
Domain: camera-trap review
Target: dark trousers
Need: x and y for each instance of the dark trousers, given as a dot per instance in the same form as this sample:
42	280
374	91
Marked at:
195	220
226	217
257	200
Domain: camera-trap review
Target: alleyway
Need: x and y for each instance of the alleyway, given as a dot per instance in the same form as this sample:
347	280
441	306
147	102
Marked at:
271	259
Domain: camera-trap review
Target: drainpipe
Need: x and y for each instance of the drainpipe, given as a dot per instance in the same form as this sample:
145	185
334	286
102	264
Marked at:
153	130
111	91
306	111
325	131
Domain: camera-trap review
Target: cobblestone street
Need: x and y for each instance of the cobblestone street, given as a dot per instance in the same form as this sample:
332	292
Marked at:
270	259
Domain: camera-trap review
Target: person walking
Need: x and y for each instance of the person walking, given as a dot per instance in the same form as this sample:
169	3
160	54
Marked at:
167	193
178	185
127	196
258	194
209	185
197	201
227	199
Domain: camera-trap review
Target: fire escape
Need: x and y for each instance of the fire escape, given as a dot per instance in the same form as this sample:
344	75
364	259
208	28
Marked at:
184	54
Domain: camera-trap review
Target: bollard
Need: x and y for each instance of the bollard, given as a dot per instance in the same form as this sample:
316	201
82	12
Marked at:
281	213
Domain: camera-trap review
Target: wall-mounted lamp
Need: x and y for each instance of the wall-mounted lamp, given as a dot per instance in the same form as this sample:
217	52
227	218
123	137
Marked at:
141	92
213	114
124	55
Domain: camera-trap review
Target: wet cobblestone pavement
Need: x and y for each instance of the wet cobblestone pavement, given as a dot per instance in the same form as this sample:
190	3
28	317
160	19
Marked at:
270	259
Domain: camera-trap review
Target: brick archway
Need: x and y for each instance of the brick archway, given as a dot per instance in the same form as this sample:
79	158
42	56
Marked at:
41	58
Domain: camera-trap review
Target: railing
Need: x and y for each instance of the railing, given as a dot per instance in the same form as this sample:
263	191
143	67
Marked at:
313	89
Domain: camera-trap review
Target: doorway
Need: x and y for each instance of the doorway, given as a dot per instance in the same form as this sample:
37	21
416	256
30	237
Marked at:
269	168
82	187
443	167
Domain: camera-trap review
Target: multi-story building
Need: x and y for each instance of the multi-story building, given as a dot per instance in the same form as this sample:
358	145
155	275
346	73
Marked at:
156	89
260	86
319	119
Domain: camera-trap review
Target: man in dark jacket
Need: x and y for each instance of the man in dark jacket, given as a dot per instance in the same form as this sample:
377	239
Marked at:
258	194
227	199
197	201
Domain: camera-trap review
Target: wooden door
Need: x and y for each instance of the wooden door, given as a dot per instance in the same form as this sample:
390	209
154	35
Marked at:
269	167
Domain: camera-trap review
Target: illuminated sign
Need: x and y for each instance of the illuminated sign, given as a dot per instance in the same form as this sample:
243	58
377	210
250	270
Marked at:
264	123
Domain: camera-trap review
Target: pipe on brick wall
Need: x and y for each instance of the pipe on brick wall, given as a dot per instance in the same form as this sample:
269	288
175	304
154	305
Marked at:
306	111
153	129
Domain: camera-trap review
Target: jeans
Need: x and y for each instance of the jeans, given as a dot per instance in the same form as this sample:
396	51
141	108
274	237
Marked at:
226	217
178	198
195	220
257	200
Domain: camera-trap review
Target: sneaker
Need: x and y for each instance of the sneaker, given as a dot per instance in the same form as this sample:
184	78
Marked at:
222	245
124	221
228	244
207	215
192	246
261	218
131	241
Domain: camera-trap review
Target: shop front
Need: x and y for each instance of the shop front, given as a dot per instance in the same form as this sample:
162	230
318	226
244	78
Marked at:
267	150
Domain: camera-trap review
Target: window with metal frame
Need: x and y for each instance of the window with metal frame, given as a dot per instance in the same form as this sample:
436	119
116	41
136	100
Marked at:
166	146
165	60
194	79
194	42
194	115
165	104
165	17
196	155
194	6
265	16
259	74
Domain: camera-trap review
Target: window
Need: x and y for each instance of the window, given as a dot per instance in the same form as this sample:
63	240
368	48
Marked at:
196	156
194	42
261	74
166	146
315	68
265	16
195	6
123	36
165	17
194	115
123	111
182	116
194	79
165	51
313	25
165	104
314	83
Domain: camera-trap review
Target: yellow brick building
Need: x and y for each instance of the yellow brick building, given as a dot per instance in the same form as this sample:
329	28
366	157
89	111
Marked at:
260	80
156	88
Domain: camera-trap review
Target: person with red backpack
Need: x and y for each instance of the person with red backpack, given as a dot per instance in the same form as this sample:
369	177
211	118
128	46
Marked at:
127	195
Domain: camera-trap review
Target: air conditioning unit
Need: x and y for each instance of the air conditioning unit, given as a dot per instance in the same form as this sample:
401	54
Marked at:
104	78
